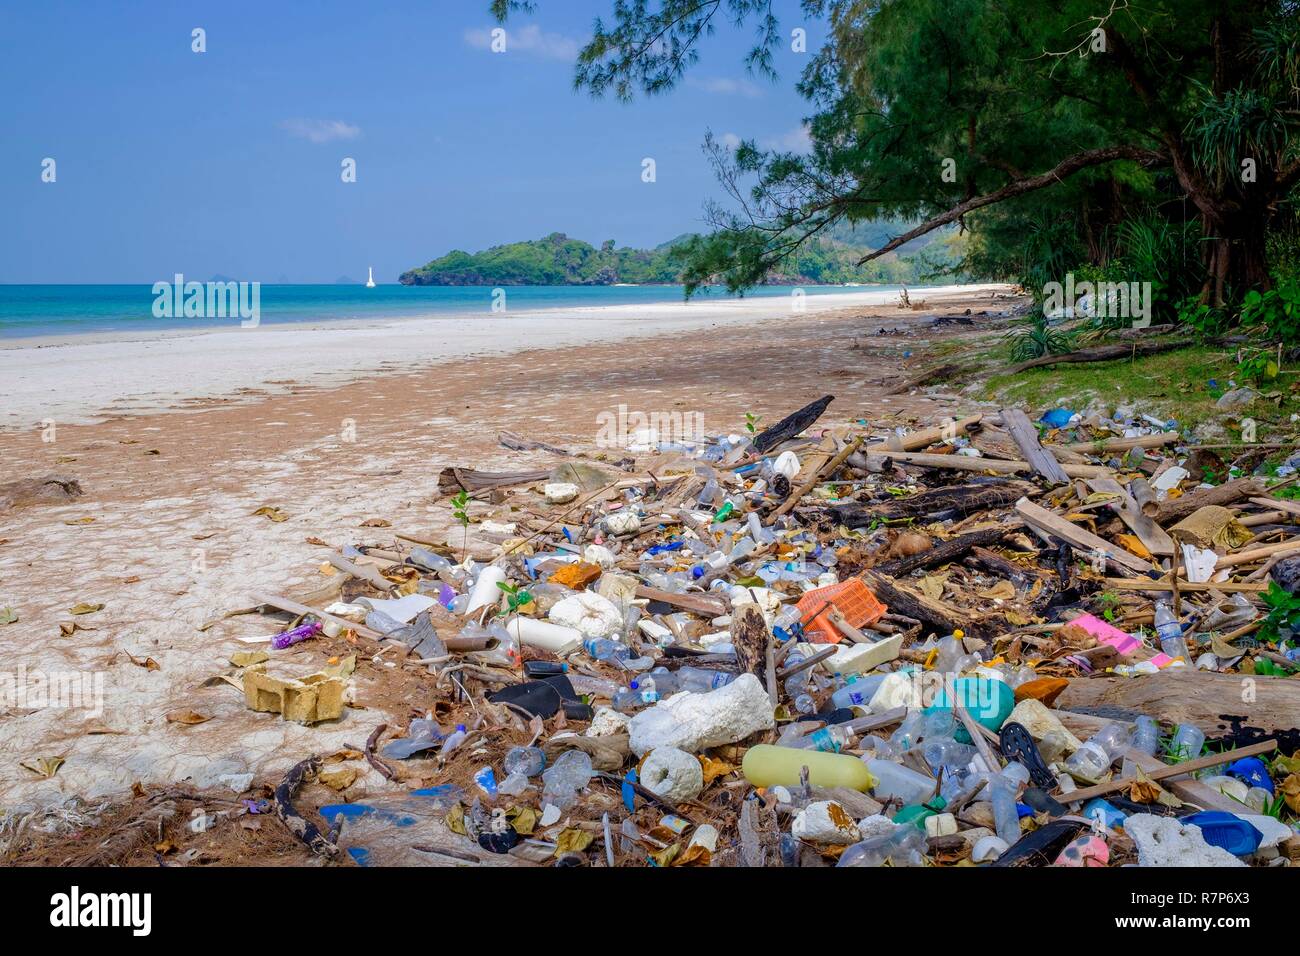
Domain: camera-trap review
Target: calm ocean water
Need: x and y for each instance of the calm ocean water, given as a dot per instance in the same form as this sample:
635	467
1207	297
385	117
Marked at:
40	310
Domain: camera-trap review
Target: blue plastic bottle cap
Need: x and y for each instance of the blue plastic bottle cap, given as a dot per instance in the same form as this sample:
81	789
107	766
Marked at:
634	685
461	728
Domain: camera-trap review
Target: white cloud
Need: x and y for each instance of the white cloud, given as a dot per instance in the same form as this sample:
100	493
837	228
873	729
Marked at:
529	39
724	87
797	140
729	140
320	131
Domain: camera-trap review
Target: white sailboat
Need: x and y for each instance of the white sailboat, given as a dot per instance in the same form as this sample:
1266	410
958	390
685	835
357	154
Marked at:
370	279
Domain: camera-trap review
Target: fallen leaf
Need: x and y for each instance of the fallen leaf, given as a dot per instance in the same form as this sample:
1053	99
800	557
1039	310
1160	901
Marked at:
572	840
43	766
188	717
695	855
455	820
318	542
85	608
338	778
274	514
523	819
165	847
147	663
347	753
1132	542
666	856
932	586
376	523
713	769
1291	792
248	658
1002	591
8	615
76	521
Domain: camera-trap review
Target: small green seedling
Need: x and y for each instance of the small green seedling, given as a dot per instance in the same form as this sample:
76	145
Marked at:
459	508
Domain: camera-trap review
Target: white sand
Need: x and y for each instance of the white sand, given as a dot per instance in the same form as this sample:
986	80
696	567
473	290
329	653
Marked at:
81	379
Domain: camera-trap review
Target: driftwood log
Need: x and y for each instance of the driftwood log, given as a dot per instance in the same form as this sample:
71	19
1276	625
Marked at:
954	499
1101	353
948	551
1225	494
303	829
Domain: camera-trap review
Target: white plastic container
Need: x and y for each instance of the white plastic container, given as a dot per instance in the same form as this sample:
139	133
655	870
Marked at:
485	590
555	638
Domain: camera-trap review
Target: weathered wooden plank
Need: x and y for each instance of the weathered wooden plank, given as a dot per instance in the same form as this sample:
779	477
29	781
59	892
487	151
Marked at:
1054	524
1025	435
1153	537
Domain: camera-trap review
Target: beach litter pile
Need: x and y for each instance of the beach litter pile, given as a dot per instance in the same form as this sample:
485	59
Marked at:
987	641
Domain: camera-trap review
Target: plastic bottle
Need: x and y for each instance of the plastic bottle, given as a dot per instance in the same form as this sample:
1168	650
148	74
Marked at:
454	740
897	782
787	623
628	700
856	693
696	680
905	845
1187	742
1096	755
768	766
603	649
1147	736
830	739
1170	633
1002	791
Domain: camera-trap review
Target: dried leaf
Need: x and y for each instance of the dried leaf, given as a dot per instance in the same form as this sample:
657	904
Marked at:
43	766
695	855
8	615
932	586
189	717
248	658
1002	591
1131	542
523	819
455	820
572	840
85	608
713	769
274	514
1290	790
666	856
376	523
77	521
148	663
338	778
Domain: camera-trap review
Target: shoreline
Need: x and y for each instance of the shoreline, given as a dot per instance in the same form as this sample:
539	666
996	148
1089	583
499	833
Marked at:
89	377
167	536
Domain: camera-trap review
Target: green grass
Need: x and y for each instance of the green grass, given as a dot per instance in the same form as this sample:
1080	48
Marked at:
1173	385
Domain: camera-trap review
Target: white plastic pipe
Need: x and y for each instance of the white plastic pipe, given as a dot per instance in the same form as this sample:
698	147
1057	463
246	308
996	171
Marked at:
555	638
485	589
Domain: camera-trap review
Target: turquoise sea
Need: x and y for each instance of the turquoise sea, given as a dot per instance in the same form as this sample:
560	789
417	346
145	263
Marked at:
43	310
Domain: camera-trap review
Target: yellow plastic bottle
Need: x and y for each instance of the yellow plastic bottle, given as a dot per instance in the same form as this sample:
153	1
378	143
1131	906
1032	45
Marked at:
768	766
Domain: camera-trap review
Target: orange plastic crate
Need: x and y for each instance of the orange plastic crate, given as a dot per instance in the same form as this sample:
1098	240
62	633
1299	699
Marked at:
852	598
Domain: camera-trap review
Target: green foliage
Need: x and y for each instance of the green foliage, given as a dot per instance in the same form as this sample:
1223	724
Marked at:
460	511
1283	612
1204	319
751	422
1275	311
516	597
1032	336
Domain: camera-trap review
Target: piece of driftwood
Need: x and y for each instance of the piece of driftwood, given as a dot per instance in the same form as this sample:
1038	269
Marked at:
1153	537
947	551
750	637
293	607
519	443
454	480
1164	584
294	822
925	437
999	566
956	499
1054	525
931	614
792	424
698	603
1125	444
996	465
1100	353
1172	509
1025	435
760	834
815	475
1188	789
1278	504
1171	770
1182	696
938	373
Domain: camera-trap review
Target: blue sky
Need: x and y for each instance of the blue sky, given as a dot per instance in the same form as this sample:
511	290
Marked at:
229	161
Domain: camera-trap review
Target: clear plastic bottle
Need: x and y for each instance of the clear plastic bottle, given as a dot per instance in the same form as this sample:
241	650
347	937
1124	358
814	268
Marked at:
905	845
830	739
603	649
1187	742
454	740
1147	736
896	782
1002	791
628	700
1169	631
1096	755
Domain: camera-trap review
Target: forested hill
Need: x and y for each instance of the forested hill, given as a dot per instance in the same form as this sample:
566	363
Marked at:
560	260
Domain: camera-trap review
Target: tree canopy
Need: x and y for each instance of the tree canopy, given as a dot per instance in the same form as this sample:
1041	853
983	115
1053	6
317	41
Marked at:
1057	133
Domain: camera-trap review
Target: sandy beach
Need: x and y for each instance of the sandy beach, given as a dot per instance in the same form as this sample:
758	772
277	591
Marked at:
177	441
